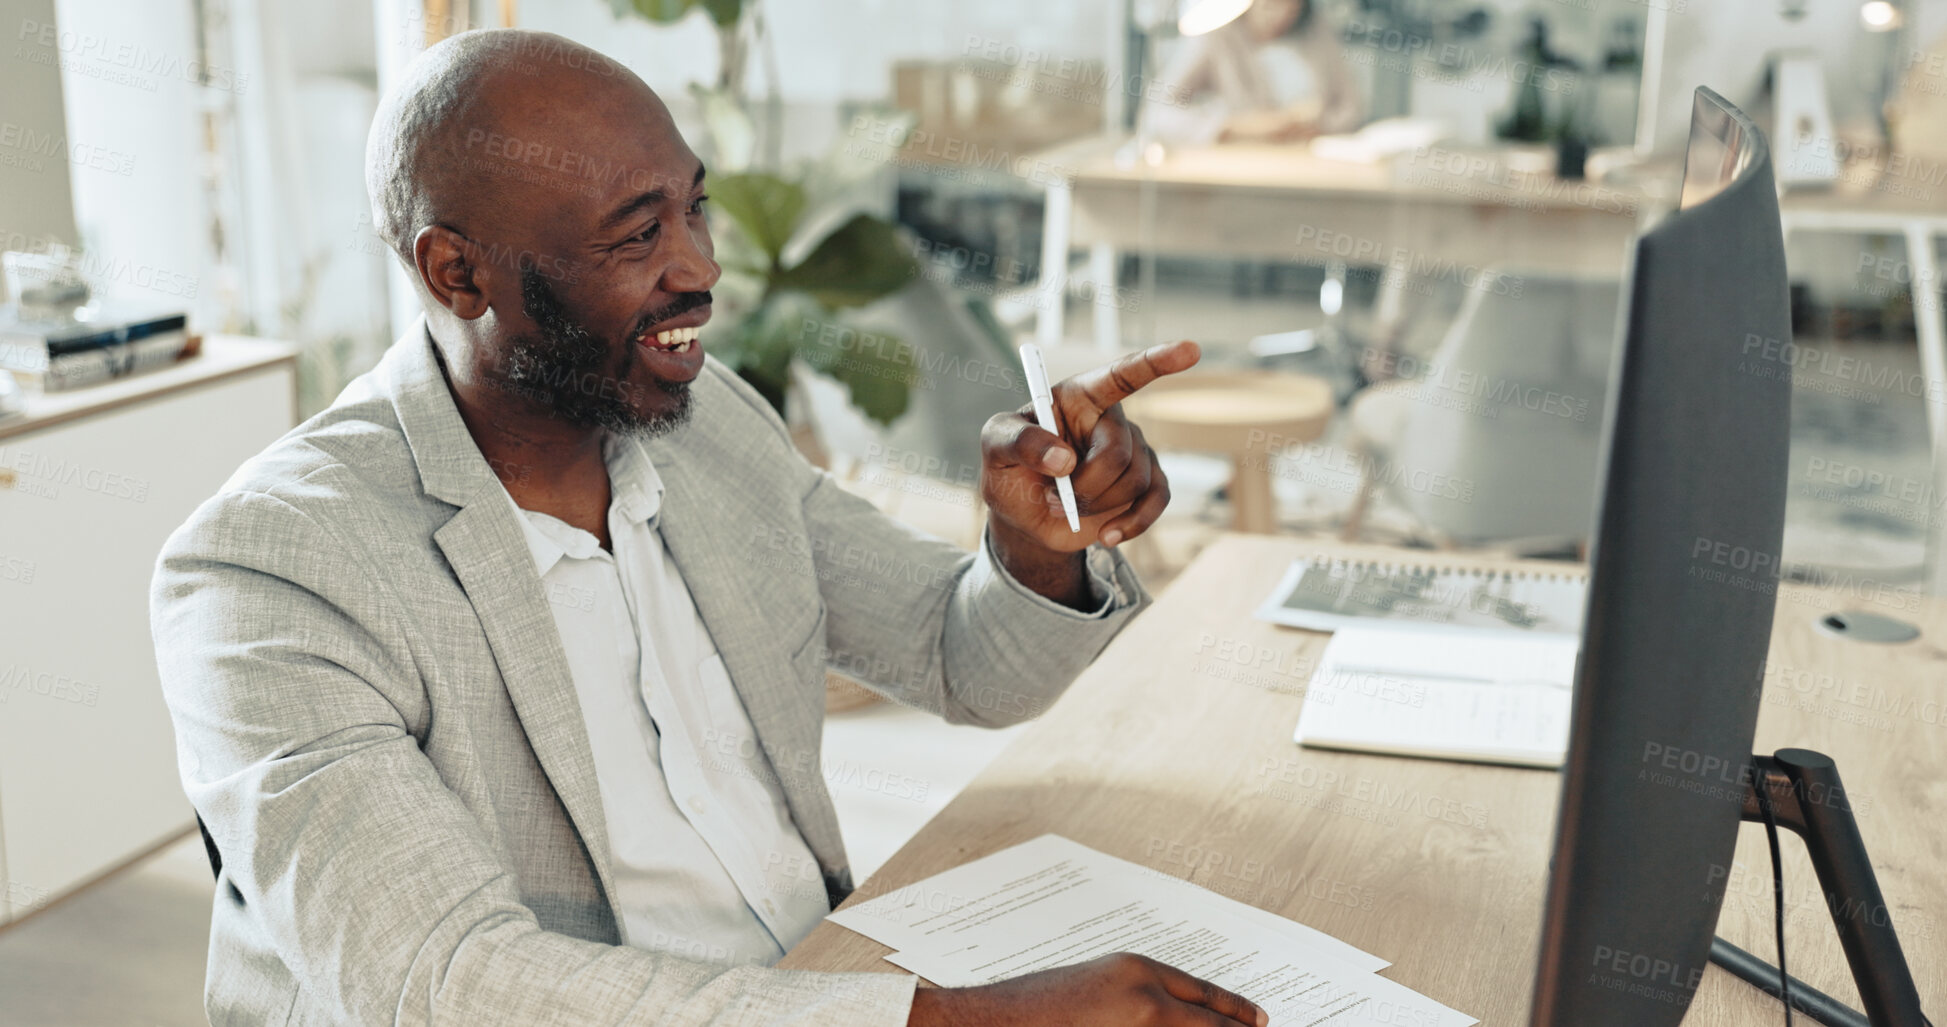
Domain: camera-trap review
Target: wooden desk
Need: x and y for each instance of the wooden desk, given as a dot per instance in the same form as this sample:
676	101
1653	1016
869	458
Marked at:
1430	217
1174	750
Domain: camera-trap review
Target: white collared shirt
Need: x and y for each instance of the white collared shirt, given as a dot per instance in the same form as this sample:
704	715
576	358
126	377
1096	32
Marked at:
707	862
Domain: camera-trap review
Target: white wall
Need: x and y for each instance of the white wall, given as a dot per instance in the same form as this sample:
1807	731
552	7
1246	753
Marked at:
315	271
1926	21
832	50
128	74
35	204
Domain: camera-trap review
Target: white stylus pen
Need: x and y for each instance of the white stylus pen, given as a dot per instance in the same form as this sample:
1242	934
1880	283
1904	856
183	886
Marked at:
1044	415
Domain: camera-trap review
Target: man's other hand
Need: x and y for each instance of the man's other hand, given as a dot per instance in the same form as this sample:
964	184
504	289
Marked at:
1113	991
1119	488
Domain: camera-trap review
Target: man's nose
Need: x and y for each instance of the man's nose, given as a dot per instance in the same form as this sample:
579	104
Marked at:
692	268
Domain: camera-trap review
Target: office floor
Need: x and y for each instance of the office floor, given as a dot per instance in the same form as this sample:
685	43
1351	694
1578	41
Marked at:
127	951
1859	502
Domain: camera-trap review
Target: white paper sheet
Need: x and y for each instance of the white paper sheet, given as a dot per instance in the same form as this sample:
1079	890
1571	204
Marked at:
914	916
1052	902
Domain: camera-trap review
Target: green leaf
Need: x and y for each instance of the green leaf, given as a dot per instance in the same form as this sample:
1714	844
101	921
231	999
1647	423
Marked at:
766	207
663	12
877	368
862	261
724	12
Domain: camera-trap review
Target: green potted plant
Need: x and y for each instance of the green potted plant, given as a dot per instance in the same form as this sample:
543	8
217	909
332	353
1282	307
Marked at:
797	256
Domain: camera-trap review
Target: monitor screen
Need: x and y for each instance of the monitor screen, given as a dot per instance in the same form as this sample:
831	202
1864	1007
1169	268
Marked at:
1680	602
1716	155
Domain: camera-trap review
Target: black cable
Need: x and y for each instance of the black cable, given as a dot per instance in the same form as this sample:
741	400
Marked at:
1777	894
1816	1004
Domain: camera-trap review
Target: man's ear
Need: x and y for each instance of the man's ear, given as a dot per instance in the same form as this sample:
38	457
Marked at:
445	262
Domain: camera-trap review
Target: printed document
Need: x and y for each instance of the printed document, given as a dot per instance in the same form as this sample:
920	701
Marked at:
1052	902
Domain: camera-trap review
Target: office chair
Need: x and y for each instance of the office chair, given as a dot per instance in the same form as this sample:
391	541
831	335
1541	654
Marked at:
1493	439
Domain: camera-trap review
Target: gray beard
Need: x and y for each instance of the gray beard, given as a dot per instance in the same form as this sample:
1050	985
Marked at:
562	368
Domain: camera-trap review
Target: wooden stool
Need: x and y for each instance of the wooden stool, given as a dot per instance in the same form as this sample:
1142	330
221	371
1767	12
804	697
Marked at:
1248	416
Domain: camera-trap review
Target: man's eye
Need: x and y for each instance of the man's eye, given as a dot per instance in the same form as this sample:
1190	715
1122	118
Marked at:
696	205
645	235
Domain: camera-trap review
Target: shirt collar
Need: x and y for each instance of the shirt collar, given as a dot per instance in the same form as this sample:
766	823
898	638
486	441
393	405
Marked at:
637	488
635	497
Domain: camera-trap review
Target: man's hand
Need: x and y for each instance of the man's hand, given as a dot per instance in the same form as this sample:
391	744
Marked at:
1113	991
1119	488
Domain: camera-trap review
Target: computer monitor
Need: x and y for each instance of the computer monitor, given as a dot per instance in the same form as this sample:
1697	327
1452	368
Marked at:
1683	581
1683	578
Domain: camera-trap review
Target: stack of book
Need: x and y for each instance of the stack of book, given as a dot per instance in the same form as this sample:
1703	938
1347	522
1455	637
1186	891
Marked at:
62	353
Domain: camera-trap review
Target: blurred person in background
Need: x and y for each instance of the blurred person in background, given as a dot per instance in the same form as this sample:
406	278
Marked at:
1276	73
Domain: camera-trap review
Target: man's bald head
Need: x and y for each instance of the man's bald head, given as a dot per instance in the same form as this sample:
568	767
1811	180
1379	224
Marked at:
425	159
552	218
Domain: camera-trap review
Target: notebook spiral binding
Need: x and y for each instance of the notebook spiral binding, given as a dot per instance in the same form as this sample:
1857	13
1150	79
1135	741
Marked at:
1333	565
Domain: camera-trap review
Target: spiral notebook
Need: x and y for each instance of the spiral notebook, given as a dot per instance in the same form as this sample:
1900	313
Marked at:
1325	594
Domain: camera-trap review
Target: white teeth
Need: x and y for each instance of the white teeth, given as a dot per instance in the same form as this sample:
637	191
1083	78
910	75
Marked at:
676	339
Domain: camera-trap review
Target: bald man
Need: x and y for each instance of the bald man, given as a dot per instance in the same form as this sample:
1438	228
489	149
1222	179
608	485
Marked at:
499	684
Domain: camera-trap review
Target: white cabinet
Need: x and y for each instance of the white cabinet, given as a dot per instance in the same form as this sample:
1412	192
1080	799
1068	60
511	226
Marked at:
91	484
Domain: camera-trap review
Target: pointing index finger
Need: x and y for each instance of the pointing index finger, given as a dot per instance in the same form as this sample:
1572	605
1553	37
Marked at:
1107	386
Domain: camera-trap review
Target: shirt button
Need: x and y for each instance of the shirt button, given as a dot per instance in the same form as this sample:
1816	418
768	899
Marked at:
697	805
770	907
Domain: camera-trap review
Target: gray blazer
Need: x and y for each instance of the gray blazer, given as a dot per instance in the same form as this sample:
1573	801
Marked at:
375	719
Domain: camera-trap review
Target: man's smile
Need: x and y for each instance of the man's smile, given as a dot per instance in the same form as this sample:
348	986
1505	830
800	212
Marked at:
672	348
677	334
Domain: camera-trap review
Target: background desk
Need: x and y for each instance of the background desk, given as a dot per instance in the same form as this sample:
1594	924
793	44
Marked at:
1174	750
1253	200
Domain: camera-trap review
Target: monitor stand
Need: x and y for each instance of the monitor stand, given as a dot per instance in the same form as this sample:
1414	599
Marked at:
1806	796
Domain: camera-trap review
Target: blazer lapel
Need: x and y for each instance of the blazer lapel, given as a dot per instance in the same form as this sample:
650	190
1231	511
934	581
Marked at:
700	521
489	555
